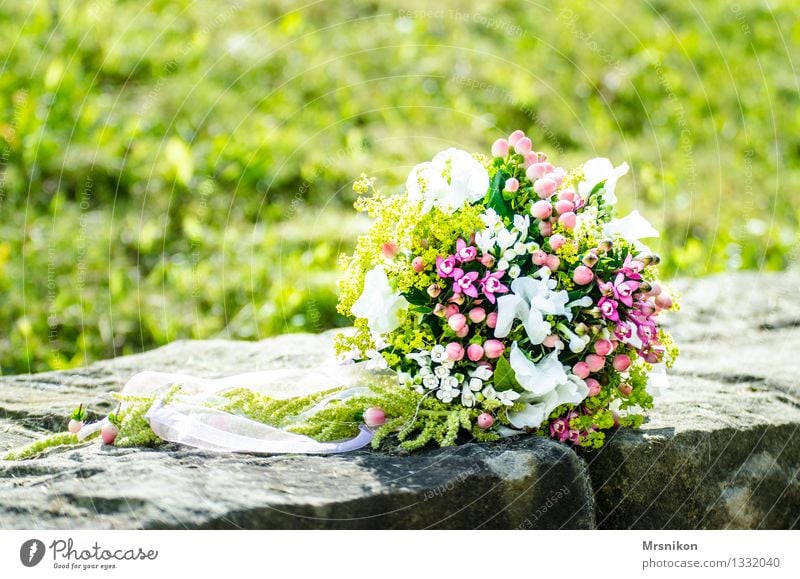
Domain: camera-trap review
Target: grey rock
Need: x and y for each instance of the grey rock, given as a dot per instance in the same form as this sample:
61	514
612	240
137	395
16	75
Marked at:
720	450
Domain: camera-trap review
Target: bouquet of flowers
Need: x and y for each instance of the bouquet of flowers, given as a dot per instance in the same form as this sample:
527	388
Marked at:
503	290
495	296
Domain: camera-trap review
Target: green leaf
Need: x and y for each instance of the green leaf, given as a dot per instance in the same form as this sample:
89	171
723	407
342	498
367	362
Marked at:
494	198
417	297
504	376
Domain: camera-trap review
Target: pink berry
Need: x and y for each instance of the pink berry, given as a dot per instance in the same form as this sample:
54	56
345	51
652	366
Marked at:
514	137
663	301
551	341
594	387
595	362
583	275
374	417
512	185
542	209
538	170
530	159
544	187
568	219
621	362
523	146
655	289
557	241
457	321
500	148
451	310
485	421
553	262
462	333
455	351
545	228
475	352
566	195
493	348
389	250
491	319
418	264
625	389
477	315
602	347
74	426
539	257
109	433
564	206
581	370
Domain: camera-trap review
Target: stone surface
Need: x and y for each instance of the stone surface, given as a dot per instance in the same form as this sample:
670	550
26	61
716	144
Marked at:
720	450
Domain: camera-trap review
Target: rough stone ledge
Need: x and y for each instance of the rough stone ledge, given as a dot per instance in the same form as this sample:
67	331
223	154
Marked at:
720	450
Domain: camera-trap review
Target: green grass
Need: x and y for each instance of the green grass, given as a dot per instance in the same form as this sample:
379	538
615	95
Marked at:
181	169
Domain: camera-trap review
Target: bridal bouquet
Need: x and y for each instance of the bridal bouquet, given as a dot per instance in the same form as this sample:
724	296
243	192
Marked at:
495	296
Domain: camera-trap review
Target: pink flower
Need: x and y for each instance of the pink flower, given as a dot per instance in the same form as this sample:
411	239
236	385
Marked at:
465	253
455	351
624	289
490	285
514	137
463	283
457	321
621	362
523	146
608	308
583	275
559	429
542	209
445	266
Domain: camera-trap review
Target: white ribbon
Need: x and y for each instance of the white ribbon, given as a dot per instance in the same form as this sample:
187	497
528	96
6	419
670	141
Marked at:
190	420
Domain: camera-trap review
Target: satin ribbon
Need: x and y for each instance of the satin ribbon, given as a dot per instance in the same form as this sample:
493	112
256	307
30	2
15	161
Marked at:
191	418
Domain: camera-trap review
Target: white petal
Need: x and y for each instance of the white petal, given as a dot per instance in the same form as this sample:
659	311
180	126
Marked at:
535	326
529	417
540	378
631	227
509	308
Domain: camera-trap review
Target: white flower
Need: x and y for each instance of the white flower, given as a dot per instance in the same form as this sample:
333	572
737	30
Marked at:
481	372
375	361
530	300
420	357
572	391
441	371
513	272
521	224
491	219
632	227
430	382
532	246
467	398
484	240
474	384
378	303
503	265
438	353
505	397
450	180
538	379
425	371
520	248
506	239
450	382
447	393
599	170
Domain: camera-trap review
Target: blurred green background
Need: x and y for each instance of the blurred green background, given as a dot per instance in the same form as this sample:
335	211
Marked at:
174	169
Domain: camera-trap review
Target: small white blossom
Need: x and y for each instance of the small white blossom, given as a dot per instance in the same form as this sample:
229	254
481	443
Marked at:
482	372
520	248
521	224
425	371
514	271
430	382
491	219
506	239
438	353
484	240
375	361
503	265
441	371
507	397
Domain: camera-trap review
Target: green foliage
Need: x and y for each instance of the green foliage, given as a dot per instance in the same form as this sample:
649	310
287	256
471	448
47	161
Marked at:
38	447
180	169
